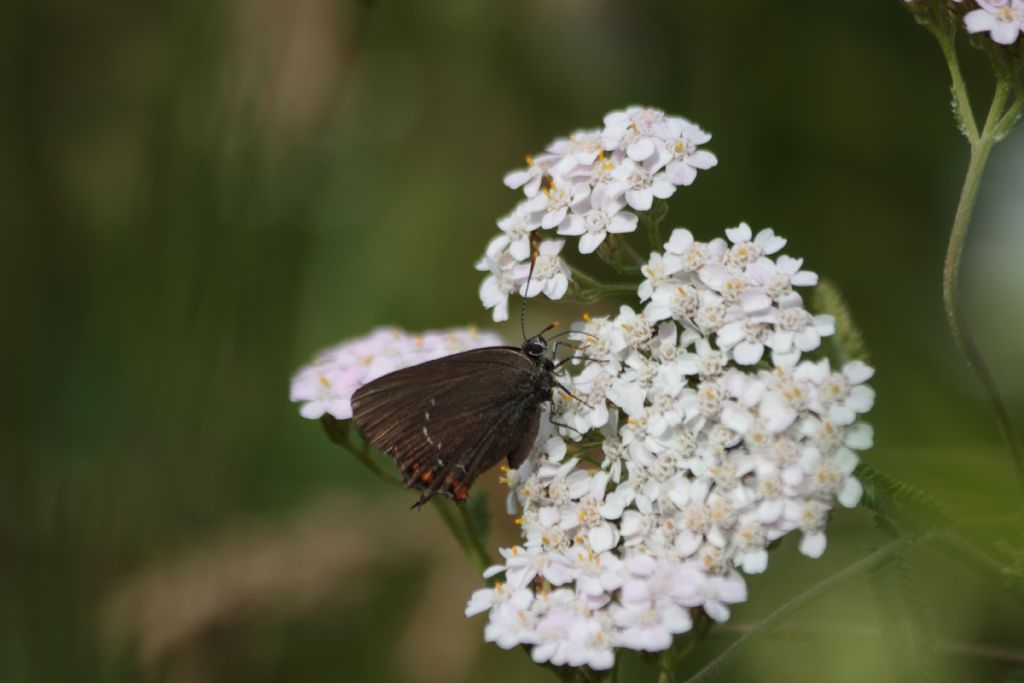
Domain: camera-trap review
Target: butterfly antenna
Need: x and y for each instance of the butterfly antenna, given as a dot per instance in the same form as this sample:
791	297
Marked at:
525	292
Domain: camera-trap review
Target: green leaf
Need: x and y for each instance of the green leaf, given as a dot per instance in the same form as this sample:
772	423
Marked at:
479	516
908	625
848	341
899	507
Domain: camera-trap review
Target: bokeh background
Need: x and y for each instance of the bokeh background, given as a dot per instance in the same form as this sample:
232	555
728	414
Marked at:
198	195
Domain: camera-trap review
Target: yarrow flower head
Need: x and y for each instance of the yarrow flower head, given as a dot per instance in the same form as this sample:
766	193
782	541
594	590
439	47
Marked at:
697	429
1003	20
589	185
326	385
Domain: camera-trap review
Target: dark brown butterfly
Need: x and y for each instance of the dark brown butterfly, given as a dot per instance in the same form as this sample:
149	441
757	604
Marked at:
447	420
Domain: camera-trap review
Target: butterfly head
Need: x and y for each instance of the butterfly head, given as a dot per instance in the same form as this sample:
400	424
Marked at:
535	347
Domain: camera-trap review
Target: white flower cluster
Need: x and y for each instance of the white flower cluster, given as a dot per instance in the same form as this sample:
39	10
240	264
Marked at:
717	439
1002	19
327	384
587	185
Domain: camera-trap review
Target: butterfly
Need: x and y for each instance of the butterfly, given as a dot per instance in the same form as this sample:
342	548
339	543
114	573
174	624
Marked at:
446	421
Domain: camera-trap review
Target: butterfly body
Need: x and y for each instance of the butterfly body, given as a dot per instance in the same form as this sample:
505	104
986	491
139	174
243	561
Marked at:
446	421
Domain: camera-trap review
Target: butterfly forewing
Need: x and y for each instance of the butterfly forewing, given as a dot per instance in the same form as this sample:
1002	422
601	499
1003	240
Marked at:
447	420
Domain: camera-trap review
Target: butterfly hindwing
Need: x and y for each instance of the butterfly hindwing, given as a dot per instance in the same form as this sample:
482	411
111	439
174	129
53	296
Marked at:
447	420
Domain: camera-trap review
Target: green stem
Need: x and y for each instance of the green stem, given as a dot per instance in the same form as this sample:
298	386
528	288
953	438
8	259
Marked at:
962	101
778	616
1009	119
588	289
980	151
975	557
339	431
653	219
475	546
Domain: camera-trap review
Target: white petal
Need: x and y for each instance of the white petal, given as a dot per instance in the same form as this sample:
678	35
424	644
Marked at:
813	545
602	538
748	353
851	492
590	242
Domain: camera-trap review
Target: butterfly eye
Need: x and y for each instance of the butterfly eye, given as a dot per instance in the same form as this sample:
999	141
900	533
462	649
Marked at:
536	347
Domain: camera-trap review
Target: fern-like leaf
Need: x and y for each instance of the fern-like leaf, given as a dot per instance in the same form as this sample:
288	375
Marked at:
848	341
899	507
908	626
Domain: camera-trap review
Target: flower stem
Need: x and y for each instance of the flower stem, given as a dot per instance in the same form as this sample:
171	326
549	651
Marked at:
776	617
474	546
961	100
653	219
588	289
981	147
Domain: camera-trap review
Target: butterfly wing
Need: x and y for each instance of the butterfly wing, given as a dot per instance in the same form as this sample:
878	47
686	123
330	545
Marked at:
447	420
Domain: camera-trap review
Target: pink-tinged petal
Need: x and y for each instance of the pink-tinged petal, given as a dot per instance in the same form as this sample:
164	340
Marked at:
679	241
754	300
558	574
813	545
792	477
520	249
557	287
676	619
730	335
551	247
737	418
623	222
860	437
687	543
741	233
807	339
641	200
786	359
590	242
755	562
500	313
1005	32
341	409
661	187
573	225
641	565
769	241
602	538
493	570
850	494
782	341
517	179
841	415
681	173
641	149
714	276
857	372
553	219
716	611
979	20
657	310
702	159
824	324
645	290
731	589
748	353
804	278
770	511
312	411
535	204
861	399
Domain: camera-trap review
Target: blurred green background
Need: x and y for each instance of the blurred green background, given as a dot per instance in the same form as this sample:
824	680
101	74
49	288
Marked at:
198	195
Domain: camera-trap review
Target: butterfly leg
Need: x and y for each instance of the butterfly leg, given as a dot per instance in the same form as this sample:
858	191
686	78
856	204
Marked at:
566	391
565	426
